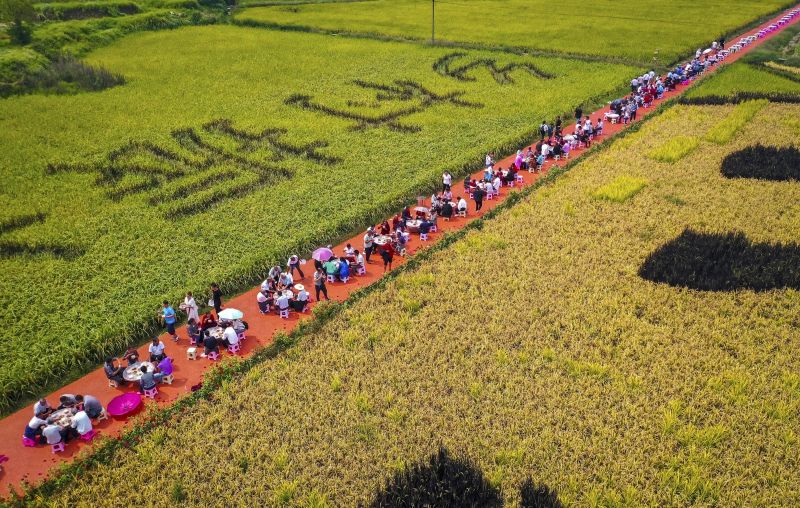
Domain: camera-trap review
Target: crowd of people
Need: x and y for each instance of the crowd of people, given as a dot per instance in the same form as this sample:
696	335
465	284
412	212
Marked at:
282	291
71	419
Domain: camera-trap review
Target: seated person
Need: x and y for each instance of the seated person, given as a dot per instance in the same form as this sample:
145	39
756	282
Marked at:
359	259
497	183
396	221
405	214
263	301
268	285
113	371
447	210
557	149
283	302
300	302
274	272
210	344
42	408
67	400
285	280
462	204
331	266
164	366
511	174
447	196
424	227
193	330
53	434
81	423
149	380
207	321
131	355
349	251
89	404
540	161
467	182
229	336
385	229
156	350
33	430
344	269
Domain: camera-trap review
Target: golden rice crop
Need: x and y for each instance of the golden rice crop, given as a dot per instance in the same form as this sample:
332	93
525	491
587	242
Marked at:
534	347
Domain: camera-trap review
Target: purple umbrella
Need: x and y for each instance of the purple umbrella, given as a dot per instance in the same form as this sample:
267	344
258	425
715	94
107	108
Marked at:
322	254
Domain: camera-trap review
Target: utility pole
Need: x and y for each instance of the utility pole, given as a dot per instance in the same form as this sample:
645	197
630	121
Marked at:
433	21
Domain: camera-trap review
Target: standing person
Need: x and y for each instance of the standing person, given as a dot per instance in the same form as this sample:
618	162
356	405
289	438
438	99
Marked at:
387	253
216	297
294	264
544	130
190	306
477	195
558	126
489	160
447	181
578	114
168	316
319	283
369	238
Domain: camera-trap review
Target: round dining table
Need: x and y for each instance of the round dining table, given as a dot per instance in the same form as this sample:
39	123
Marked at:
381	239
134	371
413	225
63	417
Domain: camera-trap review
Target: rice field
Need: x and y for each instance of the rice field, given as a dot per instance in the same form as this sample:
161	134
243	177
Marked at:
535	348
228	149
647	32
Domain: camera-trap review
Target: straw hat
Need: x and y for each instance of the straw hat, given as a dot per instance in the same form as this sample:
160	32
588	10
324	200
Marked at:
299	287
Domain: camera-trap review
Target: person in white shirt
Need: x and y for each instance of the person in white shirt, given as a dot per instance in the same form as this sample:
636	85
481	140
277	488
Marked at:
34	429
447	180
545	149
53	434
497	183
229	337
359	259
81	423
190	307
447	195
294	264
301	300
156	350
349	250
262	300
490	160
462	204
285	280
283	302
42	407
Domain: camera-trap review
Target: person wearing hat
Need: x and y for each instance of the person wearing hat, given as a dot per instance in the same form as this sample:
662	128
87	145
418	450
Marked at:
301	300
294	264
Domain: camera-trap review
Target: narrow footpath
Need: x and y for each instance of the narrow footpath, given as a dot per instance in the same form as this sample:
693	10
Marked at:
33	464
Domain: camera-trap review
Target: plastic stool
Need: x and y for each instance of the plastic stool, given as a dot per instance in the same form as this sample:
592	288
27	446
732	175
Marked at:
191	353
58	447
234	348
331	278
151	393
423	237
88	436
28	442
213	356
284	314
345	279
167	380
112	384
434	229
362	270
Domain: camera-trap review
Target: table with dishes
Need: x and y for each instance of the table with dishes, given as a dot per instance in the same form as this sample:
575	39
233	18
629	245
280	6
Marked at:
63	417
382	239
134	371
413	225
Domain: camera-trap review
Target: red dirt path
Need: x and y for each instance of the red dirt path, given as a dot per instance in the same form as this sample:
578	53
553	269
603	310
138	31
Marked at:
33	464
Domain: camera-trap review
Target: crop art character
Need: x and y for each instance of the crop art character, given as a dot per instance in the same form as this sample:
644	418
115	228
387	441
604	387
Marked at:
212	164
403	91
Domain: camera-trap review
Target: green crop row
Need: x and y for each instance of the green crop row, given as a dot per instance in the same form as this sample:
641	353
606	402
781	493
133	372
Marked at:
171	198
580	375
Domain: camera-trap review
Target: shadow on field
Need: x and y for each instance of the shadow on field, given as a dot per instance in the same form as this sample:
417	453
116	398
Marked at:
763	162
723	262
444	481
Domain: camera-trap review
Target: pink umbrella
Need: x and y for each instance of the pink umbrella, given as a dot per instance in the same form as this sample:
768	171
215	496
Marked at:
123	405
322	254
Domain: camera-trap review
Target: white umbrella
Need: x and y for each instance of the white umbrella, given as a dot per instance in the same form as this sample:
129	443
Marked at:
231	314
